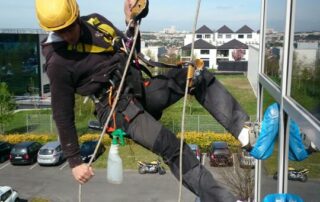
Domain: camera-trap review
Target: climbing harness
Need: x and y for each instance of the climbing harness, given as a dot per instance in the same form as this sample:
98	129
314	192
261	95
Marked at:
115	101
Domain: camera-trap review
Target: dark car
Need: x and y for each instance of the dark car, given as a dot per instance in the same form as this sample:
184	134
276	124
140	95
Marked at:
5	149
220	154
87	149
24	153
196	150
95	125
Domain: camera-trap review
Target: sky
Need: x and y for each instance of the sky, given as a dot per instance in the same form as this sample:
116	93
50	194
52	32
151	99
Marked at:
162	13
178	13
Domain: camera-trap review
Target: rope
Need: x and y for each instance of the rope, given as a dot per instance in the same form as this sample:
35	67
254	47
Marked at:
185	102
114	104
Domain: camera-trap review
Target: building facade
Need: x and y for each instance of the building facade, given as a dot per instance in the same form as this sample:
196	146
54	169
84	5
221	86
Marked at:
223	49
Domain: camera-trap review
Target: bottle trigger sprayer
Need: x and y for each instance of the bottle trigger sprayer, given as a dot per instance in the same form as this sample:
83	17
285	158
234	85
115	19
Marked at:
114	167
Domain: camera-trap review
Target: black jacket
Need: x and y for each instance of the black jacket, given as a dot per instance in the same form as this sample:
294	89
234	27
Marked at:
72	72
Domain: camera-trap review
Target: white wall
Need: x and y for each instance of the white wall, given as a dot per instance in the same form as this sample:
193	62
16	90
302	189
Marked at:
307	57
43	75
253	67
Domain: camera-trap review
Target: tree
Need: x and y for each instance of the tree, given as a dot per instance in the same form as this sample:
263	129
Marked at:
239	181
7	106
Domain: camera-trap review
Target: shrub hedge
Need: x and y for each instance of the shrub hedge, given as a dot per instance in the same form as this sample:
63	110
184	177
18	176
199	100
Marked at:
203	139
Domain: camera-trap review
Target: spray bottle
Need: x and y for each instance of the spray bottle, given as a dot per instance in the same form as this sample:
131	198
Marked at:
115	168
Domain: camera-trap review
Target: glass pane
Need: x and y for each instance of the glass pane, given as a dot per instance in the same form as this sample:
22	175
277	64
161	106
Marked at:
305	87
270	165
19	63
303	171
275	27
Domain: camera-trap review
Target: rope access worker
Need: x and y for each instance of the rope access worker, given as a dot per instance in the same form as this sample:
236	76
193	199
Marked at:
83	57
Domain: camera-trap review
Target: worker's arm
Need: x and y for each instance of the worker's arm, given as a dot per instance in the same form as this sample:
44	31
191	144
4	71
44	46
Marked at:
63	101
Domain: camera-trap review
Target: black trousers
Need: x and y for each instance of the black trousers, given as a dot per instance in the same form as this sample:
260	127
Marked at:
144	128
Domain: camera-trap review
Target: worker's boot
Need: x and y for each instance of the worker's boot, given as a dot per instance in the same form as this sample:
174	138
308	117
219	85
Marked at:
264	145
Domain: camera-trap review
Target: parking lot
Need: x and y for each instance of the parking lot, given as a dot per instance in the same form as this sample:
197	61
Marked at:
57	184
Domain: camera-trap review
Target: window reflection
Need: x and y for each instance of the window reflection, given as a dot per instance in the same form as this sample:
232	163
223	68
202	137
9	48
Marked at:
275	28
303	169
19	63
270	165
305	87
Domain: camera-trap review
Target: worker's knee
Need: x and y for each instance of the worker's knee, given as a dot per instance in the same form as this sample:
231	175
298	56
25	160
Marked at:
167	146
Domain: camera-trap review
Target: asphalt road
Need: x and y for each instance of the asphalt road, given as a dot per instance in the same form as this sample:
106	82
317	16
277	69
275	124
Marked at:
57	185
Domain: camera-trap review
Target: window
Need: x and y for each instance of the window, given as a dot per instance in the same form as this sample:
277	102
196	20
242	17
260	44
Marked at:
249	36
240	36
46	88
19	57
205	52
228	36
6	195
207	36
220	36
199	36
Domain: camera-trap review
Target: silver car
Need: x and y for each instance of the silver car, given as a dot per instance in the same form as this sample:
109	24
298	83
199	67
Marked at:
50	154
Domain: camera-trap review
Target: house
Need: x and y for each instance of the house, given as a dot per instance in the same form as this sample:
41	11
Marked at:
203	50
204	33
223	46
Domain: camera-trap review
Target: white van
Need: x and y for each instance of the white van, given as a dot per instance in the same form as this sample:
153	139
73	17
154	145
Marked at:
50	154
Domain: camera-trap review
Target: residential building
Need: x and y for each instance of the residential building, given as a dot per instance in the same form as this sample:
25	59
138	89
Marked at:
202	49
228	50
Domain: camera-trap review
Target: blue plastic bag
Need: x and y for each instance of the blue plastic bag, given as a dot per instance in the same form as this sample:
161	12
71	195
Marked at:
282	198
263	148
297	151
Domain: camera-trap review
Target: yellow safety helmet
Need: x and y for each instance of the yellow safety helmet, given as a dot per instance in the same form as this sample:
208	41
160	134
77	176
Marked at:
55	15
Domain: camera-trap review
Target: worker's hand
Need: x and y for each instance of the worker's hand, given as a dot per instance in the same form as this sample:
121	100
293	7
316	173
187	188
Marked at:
136	9
82	173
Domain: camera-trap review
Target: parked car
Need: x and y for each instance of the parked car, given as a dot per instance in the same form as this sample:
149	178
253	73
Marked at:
220	155
50	154
246	160
7	194
5	149
87	149
24	153
196	150
95	125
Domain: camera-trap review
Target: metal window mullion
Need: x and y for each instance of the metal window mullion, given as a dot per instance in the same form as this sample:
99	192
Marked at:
271	87
257	187
304	119
284	119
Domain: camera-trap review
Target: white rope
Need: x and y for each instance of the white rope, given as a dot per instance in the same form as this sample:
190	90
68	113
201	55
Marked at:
114	104
185	102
